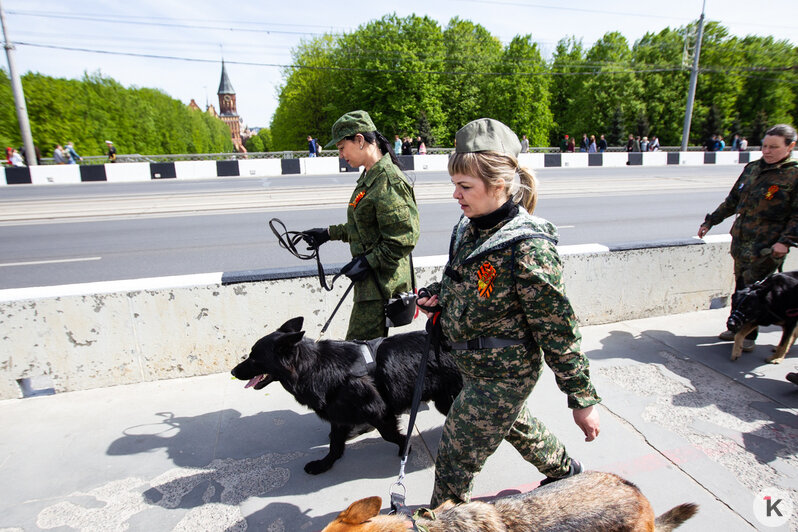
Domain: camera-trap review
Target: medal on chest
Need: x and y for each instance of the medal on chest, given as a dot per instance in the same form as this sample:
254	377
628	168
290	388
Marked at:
771	191
357	199
485	276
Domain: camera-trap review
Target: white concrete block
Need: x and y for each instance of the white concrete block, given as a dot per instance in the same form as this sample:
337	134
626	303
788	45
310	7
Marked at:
195	169
55	174
126	172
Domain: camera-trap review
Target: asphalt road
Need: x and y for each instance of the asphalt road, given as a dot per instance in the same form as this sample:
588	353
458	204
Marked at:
61	234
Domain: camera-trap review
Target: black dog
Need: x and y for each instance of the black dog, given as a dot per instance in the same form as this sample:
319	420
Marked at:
771	301
332	378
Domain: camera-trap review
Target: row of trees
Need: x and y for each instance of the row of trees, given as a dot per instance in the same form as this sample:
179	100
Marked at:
94	109
415	77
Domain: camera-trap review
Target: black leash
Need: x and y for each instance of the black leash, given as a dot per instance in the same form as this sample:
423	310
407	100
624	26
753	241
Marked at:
288	240
433	341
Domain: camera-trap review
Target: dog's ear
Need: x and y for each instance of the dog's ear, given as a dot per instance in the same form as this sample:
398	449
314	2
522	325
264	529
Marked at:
361	511
288	340
292	325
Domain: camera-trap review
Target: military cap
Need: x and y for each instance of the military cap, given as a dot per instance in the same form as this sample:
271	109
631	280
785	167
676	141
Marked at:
350	124
487	134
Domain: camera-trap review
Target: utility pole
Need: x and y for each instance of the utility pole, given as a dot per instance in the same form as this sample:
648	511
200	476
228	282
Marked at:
688	112
19	96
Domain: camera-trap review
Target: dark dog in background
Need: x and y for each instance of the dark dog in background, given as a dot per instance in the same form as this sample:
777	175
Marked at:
332	378
771	301
590	501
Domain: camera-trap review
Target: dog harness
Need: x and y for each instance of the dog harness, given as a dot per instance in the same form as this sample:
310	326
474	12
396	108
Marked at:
368	357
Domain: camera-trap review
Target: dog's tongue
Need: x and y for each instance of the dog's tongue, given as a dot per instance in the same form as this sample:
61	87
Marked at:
253	381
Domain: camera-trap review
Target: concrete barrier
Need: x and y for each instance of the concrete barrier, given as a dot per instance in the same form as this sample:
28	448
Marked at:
77	337
43	175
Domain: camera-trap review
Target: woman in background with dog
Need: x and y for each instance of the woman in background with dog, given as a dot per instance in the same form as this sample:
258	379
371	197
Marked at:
765	200
503	310
382	225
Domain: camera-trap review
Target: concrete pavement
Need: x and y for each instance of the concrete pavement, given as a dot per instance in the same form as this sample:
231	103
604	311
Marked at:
678	418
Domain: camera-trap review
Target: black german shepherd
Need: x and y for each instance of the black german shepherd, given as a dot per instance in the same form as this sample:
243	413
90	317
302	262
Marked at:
333	379
771	301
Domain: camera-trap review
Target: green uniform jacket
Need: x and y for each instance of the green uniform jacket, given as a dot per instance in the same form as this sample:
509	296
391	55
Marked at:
382	224
765	200
510	286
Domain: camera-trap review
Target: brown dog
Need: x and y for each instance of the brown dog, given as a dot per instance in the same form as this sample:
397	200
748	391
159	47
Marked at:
591	501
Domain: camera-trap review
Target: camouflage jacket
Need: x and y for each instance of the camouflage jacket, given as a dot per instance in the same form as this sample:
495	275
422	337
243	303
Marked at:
765	200
506	282
382	224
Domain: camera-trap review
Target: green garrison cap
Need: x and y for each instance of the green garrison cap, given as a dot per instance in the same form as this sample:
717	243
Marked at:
487	134
350	124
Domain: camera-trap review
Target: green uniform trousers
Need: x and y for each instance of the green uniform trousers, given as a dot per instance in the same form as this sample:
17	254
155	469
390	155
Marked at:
484	413
367	321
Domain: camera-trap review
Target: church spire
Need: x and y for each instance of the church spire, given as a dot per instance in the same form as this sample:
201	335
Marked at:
225	87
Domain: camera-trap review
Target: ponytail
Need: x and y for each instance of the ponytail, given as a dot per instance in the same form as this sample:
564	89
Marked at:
527	193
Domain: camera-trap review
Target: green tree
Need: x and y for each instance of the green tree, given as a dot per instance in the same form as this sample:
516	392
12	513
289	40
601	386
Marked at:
612	85
661	67
471	53
567	83
520	92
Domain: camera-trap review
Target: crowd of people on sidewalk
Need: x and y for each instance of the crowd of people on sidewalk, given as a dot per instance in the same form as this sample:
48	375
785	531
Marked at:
66	154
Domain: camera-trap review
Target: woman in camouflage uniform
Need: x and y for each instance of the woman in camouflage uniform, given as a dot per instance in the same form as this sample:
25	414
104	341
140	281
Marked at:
765	201
381	226
503	311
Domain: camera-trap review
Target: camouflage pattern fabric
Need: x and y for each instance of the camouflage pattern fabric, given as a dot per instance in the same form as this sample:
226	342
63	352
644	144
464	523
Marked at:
506	282
485	412
367	321
382	224
765	200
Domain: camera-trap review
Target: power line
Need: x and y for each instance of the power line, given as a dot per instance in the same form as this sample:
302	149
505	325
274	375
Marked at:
428	72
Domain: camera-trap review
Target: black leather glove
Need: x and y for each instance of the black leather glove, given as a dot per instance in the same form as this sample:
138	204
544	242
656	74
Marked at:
357	269
316	237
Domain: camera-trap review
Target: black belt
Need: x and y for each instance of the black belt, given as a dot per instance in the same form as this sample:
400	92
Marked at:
487	342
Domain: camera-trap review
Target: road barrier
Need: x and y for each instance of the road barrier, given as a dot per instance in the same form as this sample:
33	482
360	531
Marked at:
82	336
146	171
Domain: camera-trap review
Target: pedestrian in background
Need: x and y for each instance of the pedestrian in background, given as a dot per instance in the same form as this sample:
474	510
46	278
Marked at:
397	144
59	156
765	202
654	144
382	225
73	155
111	151
602	144
524	145
311	147
630	144
407	147
592	146
16	159
503	310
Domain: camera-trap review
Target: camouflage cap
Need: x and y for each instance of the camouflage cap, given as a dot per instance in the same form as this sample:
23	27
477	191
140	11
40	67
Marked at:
350	124
487	134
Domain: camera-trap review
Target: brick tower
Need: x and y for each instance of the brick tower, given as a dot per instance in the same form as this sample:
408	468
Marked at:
227	109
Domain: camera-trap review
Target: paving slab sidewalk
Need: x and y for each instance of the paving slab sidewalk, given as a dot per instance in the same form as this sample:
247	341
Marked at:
679	419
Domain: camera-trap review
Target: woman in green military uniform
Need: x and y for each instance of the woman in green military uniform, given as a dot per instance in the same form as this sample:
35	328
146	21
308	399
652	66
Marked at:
382	225
765	202
503	311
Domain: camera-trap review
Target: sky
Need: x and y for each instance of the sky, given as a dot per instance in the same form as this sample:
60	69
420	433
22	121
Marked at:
177	45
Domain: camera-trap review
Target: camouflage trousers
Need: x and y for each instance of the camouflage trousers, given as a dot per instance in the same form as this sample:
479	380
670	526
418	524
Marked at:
484	413
367	321
747	272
